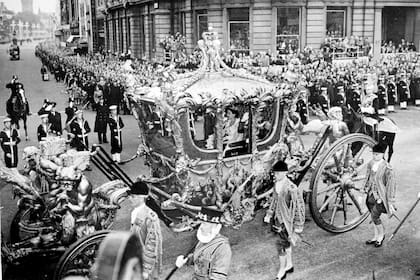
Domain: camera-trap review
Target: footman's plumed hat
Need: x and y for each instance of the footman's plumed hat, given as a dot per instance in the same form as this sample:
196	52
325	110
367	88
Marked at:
210	215
379	148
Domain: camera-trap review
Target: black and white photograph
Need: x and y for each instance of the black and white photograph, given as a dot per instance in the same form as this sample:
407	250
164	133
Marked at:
210	139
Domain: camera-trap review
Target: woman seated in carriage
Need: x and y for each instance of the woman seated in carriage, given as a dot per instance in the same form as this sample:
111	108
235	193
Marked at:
232	127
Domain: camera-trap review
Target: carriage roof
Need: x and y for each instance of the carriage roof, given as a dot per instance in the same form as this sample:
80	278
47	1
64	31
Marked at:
213	81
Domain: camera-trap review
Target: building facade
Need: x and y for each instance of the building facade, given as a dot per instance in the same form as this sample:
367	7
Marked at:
27	6
257	26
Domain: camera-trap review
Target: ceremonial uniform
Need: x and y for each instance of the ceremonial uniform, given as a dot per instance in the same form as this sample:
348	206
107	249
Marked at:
42	131
354	99
212	259
391	95
415	86
101	122
146	225
70	111
323	101
286	214
80	131
302	110
115	126
403	93
380	187
54	118
382	98
9	138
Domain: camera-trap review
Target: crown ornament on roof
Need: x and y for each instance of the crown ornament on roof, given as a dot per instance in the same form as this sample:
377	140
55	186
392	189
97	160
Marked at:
210	46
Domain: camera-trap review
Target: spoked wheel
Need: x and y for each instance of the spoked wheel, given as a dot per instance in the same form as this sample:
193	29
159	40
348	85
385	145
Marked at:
337	197
119	257
27	223
80	257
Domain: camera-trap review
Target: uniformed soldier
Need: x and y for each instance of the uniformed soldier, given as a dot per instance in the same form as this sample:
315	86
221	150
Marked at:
146	225
101	121
115	125
415	87
79	130
382	96
286	215
339	97
403	91
44	128
54	118
323	100
9	139
391	93
212	255
354	99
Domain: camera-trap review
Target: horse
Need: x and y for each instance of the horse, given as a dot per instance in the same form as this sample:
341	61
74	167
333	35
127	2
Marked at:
382	129
18	110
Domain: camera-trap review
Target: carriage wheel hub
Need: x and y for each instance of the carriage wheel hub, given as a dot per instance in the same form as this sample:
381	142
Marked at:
346	181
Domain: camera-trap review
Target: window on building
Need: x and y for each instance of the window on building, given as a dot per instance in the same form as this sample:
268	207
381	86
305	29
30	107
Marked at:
336	22
179	23
114	34
142	36
288	30
238	29
202	23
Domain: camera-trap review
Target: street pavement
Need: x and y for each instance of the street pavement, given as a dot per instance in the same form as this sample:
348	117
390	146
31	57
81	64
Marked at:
342	256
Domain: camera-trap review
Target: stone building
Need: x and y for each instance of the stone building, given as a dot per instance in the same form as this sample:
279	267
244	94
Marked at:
251	25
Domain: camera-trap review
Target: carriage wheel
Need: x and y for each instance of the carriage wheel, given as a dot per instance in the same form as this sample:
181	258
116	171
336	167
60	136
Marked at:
24	225
119	257
80	257
337	197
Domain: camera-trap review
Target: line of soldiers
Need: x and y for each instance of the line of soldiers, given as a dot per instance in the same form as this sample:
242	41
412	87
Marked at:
78	128
391	91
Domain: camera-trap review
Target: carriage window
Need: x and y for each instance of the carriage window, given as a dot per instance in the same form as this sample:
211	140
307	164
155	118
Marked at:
265	118
203	127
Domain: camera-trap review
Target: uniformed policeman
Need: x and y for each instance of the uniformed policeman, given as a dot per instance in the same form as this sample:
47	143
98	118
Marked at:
9	139
79	130
212	255
115	125
44	128
391	93
382	96
403	91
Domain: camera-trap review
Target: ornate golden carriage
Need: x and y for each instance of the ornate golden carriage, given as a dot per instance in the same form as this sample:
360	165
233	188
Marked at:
185	134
